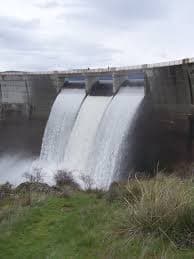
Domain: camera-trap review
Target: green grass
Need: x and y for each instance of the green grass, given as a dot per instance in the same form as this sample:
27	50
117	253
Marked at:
81	226
57	228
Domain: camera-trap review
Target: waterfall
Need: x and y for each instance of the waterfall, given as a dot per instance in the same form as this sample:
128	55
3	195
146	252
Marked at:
104	162
88	139
83	135
58	129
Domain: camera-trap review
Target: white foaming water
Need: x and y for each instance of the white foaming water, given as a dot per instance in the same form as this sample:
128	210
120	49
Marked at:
58	129
83	135
60	124
105	158
13	167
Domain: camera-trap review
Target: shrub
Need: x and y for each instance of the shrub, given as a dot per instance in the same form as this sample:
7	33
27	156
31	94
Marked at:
100	194
35	177
121	191
115	192
161	207
63	178
65	192
5	190
33	187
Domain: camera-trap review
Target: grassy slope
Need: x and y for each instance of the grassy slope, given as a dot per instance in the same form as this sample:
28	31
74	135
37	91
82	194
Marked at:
81	226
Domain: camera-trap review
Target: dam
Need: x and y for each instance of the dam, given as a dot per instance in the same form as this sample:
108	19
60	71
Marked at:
98	123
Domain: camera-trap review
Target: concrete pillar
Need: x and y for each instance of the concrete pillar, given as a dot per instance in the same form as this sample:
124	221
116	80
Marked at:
188	81
0	93
1	106
90	81
118	80
147	89
27	107
43	91
58	81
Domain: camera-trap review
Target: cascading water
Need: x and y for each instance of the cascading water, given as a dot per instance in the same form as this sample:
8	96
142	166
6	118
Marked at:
60	124
83	135
89	142
104	162
58	129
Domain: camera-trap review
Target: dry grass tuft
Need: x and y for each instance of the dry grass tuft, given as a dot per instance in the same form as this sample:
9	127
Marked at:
163	206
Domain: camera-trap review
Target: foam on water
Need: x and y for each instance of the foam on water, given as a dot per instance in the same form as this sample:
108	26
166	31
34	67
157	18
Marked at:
104	162
13	167
83	135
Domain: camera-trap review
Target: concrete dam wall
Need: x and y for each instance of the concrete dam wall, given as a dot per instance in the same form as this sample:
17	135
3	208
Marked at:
33	95
162	129
170	91
25	103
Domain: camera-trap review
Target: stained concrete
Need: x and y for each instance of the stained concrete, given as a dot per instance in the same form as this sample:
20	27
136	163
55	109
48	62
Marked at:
163	132
25	103
157	140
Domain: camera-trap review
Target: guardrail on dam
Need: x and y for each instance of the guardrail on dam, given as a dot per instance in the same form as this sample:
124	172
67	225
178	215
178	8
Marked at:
27	97
169	85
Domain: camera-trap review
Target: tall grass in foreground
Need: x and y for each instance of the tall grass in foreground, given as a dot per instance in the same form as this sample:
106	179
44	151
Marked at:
161	207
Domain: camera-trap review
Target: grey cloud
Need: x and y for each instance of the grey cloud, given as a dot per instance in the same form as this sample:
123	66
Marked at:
150	30
23	49
17	34
21	35
129	9
54	59
48	4
123	9
122	13
16	40
59	3
16	23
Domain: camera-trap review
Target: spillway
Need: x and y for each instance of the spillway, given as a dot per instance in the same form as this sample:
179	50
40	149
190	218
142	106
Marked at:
104	163
83	135
60	124
87	138
58	129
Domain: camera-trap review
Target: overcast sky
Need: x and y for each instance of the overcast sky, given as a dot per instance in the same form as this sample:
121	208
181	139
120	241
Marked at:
65	34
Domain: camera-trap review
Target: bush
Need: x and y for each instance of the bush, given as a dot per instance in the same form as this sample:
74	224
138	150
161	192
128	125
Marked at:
33	187
5	190
121	191
161	207
63	178
115	192
100	194
35	177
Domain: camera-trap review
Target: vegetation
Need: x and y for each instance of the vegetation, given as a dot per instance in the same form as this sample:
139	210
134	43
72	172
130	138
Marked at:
63	178
161	207
147	218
